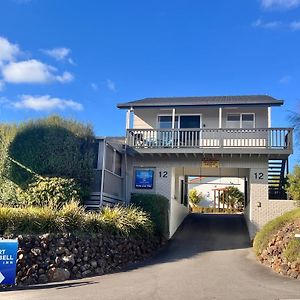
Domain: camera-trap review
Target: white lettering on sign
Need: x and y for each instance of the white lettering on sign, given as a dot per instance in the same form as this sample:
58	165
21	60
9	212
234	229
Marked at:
6	257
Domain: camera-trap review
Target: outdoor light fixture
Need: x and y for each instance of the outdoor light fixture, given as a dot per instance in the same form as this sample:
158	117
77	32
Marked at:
258	204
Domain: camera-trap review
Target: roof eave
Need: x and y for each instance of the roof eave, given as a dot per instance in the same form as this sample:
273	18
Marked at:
129	106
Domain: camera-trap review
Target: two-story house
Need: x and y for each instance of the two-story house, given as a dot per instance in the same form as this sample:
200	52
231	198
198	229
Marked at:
171	138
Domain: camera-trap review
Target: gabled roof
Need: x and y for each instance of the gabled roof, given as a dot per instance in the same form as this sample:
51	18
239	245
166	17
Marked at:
202	101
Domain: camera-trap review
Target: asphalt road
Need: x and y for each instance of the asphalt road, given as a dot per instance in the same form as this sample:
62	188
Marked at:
208	258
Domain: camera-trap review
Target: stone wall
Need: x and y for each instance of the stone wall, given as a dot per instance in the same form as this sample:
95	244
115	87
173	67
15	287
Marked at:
58	257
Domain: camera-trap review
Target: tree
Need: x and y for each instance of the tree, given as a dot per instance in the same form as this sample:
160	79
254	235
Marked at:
293	186
232	196
195	197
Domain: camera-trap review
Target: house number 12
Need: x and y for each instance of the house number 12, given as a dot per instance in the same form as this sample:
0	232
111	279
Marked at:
259	175
163	174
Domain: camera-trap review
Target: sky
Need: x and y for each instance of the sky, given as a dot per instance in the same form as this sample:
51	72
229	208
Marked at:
80	58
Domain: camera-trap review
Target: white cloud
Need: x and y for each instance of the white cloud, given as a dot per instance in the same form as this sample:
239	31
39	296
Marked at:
45	103
295	25
65	77
111	85
283	4
32	71
285	79
94	86
60	54
266	25
8	51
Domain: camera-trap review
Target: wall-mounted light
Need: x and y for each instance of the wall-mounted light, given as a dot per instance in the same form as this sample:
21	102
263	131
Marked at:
258	204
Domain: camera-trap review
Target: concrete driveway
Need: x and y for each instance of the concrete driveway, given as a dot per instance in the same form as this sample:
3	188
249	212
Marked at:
208	258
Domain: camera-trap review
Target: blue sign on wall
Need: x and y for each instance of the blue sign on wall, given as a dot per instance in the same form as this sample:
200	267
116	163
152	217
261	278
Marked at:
8	261
144	179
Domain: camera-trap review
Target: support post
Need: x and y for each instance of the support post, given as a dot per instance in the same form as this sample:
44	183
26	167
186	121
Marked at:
220	117
128	119
173	125
269	117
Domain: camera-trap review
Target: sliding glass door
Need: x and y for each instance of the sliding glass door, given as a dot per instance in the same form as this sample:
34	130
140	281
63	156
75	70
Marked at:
176	138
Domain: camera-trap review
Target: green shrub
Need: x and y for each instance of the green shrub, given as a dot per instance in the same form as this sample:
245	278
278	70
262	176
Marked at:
127	219
8	192
293	185
292	252
50	191
7	189
52	147
263	237
233	197
158	208
195	197
72	218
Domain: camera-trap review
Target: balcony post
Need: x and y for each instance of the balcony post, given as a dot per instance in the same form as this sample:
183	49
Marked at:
269	117
220	117
220	126
128	113
173	126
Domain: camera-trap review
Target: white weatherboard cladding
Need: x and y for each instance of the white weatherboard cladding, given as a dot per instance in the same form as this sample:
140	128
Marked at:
148	118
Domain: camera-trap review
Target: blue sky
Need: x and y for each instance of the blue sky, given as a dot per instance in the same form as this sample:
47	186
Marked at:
80	58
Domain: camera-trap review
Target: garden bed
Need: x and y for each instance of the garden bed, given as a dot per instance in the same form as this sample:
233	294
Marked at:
69	243
276	246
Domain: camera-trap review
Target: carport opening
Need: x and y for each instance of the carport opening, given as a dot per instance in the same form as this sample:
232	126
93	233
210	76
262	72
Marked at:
216	194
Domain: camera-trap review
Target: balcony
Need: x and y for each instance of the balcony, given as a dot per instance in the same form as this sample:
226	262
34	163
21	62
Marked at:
217	140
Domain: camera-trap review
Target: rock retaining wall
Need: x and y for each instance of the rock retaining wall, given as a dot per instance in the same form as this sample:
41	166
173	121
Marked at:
58	257
273	256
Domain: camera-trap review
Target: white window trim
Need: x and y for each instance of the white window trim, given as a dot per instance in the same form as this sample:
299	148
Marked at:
241	114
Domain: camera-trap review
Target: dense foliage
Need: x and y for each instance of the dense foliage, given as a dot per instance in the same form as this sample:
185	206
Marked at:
195	197
263	237
50	147
158	208
72	218
293	186
232	197
7	188
54	191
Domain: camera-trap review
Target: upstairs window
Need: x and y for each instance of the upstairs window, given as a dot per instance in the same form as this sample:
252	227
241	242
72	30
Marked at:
165	122
233	121
247	121
240	120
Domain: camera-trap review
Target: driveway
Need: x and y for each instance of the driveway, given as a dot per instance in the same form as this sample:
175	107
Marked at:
208	258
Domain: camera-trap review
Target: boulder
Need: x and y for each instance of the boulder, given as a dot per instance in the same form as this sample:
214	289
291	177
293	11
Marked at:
58	274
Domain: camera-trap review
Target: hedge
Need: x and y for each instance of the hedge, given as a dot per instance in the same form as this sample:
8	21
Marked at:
52	146
158	208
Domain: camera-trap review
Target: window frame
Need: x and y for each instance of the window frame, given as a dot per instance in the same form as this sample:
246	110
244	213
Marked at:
178	119
241	119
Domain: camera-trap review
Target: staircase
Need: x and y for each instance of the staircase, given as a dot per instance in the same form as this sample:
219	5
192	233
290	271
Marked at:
276	178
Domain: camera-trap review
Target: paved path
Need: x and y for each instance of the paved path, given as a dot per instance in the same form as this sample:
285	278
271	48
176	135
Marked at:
209	258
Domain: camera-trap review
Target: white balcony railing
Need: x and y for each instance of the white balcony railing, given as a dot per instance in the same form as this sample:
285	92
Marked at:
261	138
